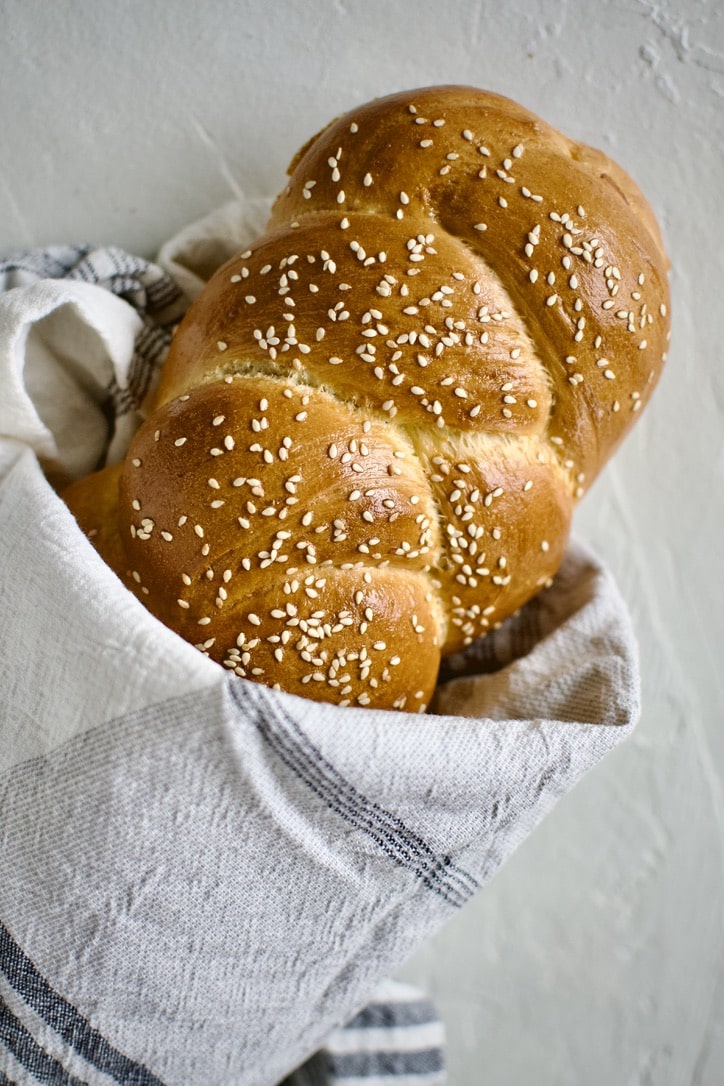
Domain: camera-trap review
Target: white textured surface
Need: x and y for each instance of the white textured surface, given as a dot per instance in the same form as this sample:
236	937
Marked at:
596	955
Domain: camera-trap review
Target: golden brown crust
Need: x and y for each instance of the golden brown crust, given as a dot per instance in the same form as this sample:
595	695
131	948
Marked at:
93	501
373	425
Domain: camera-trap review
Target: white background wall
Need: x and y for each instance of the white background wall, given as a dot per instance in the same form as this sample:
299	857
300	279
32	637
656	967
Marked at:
595	956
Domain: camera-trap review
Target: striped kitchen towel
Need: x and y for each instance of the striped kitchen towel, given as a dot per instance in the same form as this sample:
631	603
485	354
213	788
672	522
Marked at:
396	1040
204	881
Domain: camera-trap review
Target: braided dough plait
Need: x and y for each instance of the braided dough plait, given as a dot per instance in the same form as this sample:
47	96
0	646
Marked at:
372	427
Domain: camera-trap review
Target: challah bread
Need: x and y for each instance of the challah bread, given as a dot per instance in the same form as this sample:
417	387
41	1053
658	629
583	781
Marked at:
372	426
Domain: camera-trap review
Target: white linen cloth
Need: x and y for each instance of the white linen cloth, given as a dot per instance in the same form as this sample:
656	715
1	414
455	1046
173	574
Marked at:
203	879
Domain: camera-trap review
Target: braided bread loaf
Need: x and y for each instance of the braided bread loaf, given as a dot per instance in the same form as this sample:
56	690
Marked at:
373	425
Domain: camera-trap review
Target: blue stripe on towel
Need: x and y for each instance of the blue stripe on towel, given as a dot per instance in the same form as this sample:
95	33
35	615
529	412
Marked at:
401	844
67	1022
421	1012
27	1052
369	1064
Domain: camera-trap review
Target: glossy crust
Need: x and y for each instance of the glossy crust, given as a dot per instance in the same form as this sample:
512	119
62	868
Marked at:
373	426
